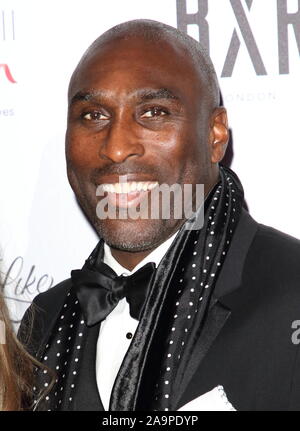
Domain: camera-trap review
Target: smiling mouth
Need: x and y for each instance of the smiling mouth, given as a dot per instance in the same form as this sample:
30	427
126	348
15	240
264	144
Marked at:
126	194
129	187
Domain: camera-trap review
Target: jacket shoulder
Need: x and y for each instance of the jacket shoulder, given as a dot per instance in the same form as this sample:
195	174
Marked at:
273	260
274	246
40	316
52	299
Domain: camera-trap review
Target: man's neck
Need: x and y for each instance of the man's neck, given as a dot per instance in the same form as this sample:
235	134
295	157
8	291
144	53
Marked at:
130	260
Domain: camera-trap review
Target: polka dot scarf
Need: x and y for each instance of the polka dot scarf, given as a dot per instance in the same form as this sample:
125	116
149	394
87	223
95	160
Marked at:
195	280
157	362
62	354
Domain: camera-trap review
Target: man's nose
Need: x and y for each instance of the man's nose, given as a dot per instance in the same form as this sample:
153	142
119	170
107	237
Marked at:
121	141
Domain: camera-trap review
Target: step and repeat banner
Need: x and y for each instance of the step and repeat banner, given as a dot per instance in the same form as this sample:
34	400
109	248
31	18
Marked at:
255	48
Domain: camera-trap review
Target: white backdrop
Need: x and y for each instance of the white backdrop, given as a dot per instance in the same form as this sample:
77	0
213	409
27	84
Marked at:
43	234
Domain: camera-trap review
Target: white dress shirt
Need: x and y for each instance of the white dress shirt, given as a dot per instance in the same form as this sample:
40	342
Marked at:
117	330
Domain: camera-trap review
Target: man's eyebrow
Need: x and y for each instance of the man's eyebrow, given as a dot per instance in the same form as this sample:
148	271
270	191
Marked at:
82	97
162	93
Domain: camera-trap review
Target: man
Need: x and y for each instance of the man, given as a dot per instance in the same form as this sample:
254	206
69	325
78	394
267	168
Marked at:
202	306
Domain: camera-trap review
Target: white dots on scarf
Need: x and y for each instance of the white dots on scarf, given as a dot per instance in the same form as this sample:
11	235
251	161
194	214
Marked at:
66	341
205	263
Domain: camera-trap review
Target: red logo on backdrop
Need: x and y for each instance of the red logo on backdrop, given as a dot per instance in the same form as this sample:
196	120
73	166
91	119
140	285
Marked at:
8	73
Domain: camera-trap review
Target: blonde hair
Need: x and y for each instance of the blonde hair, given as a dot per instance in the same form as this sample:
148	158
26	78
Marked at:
16	367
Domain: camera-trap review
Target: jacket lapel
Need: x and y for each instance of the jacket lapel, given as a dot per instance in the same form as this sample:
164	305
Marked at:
216	318
230	280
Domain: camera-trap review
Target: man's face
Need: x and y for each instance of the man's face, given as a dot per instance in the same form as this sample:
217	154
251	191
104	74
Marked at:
136	108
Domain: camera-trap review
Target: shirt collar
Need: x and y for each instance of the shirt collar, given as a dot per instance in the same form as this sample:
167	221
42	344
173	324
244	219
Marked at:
155	256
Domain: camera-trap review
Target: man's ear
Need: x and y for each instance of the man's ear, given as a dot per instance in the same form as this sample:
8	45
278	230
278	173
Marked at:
219	134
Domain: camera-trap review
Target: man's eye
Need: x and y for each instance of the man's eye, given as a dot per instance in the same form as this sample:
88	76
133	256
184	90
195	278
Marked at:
154	112
90	116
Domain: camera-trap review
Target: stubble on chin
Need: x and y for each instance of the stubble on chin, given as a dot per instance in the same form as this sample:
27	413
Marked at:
133	236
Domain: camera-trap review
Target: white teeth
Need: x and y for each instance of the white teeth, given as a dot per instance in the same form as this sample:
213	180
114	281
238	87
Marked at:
132	186
124	187
152	185
129	187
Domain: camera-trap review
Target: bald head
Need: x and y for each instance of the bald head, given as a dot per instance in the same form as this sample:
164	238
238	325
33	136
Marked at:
155	32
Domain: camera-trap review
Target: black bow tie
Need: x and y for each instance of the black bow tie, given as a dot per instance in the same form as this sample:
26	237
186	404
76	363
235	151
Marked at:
99	291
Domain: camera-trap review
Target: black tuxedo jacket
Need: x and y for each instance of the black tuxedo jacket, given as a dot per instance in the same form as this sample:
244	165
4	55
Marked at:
247	344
